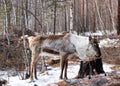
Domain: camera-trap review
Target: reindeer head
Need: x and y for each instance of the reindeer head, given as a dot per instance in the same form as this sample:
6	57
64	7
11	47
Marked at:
24	41
94	42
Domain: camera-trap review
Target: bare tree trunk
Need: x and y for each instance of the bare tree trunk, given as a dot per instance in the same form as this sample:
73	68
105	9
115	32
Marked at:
26	13
6	22
111	16
99	17
14	13
118	17
35	28
87	16
78	18
23	26
83	19
55	2
74	16
65	15
94	20
71	16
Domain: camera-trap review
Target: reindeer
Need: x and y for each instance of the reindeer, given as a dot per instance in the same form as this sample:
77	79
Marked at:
92	66
65	45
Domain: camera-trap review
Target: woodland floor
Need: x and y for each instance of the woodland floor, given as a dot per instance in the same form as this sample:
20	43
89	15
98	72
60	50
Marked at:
110	55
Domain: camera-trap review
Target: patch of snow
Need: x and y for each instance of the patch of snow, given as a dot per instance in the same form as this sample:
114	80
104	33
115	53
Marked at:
97	33
100	33
107	67
108	43
50	76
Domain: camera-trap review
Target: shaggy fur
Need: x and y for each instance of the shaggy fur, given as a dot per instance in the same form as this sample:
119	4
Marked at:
63	45
92	67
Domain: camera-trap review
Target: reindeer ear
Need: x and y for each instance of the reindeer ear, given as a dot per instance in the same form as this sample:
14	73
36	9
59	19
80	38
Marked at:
90	38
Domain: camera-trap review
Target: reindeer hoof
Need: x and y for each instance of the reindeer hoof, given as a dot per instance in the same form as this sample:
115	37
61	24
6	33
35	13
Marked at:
36	78
65	78
27	76
79	77
105	74
89	77
60	77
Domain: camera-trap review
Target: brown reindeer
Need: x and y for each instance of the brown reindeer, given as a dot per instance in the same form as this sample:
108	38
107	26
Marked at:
62	45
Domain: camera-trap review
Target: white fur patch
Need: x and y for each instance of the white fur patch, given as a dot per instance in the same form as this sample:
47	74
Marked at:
83	49
30	38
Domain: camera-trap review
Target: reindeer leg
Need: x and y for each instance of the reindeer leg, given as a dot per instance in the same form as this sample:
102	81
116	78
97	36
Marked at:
31	71
62	64
90	72
35	67
80	73
99	66
35	71
66	65
32	67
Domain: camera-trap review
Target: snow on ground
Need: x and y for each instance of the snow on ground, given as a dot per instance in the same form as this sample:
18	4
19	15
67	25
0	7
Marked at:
51	76
107	67
109	42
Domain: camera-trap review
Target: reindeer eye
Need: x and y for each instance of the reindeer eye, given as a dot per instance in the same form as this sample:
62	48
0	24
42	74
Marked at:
94	44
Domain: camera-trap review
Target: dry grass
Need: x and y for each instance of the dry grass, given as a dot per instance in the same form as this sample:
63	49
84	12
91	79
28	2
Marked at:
11	56
111	55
